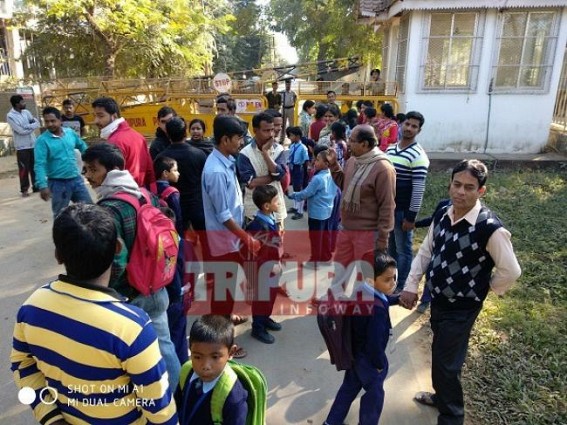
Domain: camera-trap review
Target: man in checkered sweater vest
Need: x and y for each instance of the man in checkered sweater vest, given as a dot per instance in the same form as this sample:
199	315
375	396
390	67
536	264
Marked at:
467	252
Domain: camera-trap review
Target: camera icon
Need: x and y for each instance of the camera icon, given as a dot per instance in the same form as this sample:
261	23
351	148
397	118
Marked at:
47	395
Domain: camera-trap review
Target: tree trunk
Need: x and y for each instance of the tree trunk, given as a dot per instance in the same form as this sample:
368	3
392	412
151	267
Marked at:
110	63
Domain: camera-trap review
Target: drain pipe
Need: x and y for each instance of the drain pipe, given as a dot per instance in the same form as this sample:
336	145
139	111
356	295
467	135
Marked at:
490	86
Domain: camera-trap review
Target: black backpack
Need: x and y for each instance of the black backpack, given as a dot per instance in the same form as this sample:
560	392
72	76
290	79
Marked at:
334	319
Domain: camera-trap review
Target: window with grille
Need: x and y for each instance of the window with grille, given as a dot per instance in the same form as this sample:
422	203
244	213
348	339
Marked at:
402	53
453	42
526	48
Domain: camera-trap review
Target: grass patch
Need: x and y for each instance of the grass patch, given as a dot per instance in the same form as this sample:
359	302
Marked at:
516	370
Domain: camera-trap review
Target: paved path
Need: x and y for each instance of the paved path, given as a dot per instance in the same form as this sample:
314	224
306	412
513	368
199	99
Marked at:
302	382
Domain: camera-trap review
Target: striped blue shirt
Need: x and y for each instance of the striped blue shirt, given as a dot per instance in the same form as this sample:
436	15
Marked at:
411	166
99	356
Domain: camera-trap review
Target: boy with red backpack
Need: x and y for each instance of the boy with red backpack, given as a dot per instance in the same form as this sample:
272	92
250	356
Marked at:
142	282
180	290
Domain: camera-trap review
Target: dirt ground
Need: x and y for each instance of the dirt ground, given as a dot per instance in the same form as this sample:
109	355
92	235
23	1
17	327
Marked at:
302	383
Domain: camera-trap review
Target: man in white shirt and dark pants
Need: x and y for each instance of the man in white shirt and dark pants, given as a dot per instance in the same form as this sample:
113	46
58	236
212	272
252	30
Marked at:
466	252
23	125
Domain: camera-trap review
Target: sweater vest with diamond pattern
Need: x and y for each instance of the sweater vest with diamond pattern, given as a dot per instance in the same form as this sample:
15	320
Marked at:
460	269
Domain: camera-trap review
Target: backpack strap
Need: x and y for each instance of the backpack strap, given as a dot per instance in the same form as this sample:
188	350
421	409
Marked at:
220	393
186	369
167	192
128	198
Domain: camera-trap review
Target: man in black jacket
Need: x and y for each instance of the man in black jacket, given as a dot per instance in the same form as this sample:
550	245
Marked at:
161	141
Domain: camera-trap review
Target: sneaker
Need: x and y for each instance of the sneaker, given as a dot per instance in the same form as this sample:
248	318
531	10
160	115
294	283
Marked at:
25	194
297	216
422	307
263	336
272	325
292	211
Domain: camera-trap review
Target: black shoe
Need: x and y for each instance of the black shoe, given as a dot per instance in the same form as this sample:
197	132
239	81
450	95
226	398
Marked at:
272	325
263	336
292	211
297	216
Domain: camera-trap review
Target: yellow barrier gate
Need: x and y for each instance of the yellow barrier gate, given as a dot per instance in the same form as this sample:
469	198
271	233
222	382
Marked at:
140	100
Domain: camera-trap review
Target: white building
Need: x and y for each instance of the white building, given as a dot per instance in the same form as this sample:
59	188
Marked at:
10	44
484	73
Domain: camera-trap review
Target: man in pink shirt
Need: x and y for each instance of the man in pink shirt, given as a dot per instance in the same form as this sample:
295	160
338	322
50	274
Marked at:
131	143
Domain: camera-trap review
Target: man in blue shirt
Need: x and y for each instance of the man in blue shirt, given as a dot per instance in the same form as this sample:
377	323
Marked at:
57	176
224	209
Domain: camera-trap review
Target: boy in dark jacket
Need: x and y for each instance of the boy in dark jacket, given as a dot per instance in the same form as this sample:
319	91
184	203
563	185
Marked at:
212	346
370	335
265	269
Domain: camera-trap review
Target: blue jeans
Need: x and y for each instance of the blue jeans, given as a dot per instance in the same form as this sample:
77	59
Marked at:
400	247
63	191
156	307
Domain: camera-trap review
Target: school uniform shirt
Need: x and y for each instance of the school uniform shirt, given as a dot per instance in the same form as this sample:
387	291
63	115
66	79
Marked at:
265	229
371	333
321	192
234	411
298	154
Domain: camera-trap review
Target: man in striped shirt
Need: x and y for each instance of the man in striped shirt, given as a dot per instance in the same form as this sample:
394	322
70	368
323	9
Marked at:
81	354
411	163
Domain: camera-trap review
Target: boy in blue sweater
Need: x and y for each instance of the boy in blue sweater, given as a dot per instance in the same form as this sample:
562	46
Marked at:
212	346
370	335
265	269
320	192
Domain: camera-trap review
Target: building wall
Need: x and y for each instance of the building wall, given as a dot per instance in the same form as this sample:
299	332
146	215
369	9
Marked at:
460	121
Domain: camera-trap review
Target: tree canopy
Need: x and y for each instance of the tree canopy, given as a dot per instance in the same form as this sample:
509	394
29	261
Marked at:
322	30
122	38
247	44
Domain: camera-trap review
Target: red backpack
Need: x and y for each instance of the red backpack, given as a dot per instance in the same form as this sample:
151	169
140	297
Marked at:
153	256
167	192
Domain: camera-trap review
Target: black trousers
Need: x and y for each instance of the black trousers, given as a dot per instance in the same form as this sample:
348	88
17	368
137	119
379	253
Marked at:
451	332
25	160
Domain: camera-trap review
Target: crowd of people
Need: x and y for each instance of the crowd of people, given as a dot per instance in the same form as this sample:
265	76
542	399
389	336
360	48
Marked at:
360	178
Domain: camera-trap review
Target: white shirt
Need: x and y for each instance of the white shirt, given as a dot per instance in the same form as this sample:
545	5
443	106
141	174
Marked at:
506	267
